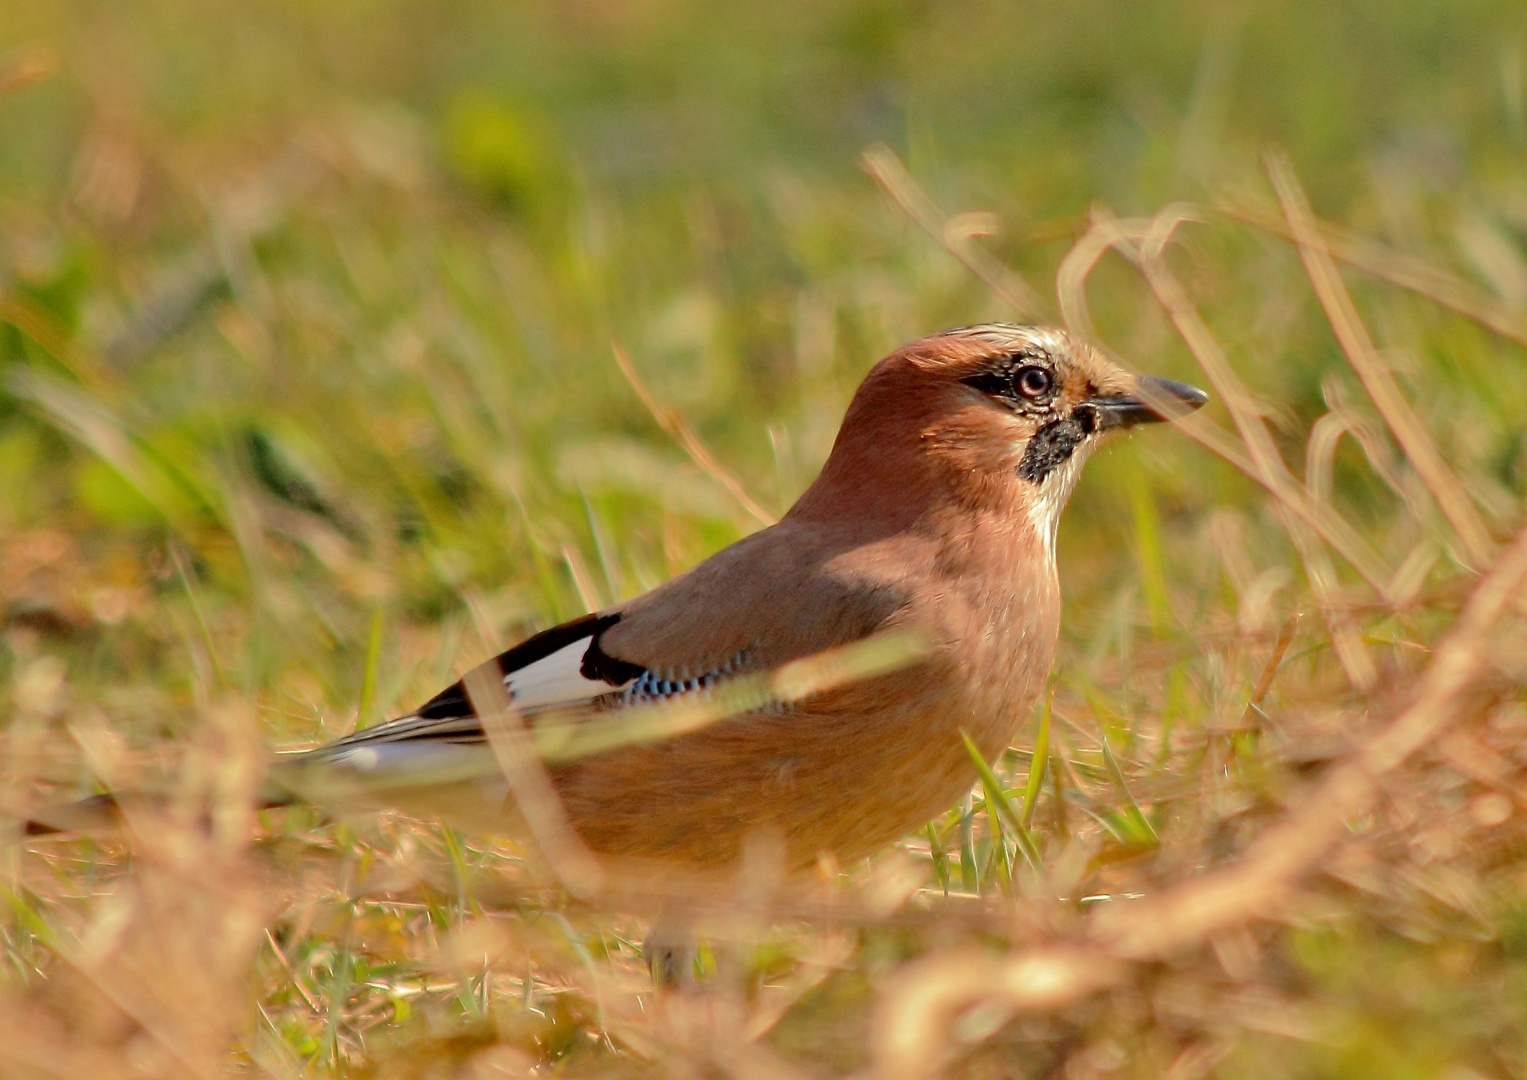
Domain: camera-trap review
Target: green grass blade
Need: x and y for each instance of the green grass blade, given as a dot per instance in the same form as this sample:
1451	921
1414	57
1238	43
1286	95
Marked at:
970	871
940	858
1148	550
373	663
1000	807
1140	826
1037	766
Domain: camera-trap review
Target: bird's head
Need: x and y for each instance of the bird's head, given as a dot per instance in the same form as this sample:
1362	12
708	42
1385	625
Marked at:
1002	415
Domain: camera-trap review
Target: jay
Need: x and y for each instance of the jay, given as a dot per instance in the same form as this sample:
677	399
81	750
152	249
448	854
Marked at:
935	513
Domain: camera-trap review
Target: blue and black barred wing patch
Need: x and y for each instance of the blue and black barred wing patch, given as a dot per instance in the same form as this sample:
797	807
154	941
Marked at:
651	686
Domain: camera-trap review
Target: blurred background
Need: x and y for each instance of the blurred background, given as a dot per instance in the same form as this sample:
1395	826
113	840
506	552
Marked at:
308	401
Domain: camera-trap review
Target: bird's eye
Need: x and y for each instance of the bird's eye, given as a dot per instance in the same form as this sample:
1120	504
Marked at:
1033	382
1016	384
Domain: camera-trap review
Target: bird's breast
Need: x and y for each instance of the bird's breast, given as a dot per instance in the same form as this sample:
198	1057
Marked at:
1001	619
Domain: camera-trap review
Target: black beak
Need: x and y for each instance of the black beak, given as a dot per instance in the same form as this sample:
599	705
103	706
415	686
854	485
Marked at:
1159	399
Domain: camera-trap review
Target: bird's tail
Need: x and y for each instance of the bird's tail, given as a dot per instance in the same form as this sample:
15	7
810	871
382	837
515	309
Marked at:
458	782
103	813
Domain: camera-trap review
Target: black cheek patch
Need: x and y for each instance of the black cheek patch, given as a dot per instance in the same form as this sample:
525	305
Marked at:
1050	446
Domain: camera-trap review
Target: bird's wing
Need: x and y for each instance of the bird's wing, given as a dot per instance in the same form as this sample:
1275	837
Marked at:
563	667
768	599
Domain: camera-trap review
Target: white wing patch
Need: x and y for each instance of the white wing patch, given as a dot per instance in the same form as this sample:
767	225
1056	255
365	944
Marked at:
556	680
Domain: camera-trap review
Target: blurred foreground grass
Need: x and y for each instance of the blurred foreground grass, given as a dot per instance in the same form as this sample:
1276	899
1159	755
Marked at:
308	402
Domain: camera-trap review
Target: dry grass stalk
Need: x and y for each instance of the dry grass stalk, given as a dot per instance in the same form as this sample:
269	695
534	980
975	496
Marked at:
1408	272
1264	454
675	425
1451	496
514	750
791	682
1320	454
1106	233
955	235
1326	432
1270	669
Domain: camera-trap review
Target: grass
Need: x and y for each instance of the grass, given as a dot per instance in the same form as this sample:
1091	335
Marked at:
340	348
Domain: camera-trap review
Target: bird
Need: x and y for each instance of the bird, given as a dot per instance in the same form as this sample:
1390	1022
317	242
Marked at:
935	514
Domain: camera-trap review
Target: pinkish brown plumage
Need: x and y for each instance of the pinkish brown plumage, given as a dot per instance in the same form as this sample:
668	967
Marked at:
935	512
